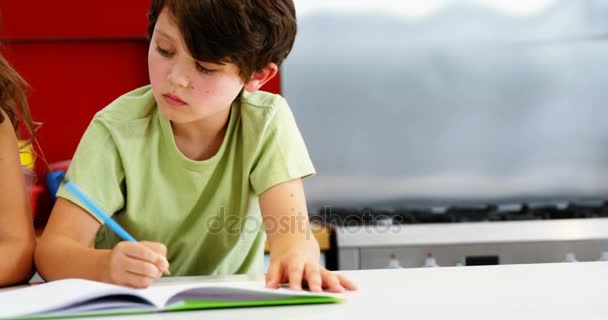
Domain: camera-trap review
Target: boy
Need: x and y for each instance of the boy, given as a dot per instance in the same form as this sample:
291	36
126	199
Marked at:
193	163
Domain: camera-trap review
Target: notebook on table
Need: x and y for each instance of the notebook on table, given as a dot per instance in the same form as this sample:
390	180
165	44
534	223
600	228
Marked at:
78	297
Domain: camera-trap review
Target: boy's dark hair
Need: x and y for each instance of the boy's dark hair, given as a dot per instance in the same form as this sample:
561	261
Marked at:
248	33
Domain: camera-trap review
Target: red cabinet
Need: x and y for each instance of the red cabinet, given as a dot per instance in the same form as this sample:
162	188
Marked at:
77	57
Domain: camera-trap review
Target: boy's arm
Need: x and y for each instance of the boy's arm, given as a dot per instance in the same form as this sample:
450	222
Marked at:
16	229
294	251
63	251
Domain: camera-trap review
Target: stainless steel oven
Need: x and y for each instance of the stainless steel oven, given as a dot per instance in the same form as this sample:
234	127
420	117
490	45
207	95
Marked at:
367	238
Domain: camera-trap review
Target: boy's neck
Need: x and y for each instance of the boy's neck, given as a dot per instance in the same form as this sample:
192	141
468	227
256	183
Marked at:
202	139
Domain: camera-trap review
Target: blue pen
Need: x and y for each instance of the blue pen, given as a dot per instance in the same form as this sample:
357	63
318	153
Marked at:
96	210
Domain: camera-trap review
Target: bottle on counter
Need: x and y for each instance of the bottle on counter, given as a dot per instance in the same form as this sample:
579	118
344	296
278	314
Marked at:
393	262
430	261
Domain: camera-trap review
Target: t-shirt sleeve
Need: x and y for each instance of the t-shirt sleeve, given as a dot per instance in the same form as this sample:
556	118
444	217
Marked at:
283	155
97	171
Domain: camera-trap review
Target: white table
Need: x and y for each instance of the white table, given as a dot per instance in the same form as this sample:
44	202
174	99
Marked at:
526	291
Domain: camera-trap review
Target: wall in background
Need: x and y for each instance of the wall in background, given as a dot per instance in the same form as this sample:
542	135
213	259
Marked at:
451	99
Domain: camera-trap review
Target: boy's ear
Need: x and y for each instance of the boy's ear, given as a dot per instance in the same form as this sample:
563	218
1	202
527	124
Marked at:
259	78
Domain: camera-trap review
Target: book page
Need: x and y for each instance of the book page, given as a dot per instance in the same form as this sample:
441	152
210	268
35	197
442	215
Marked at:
168	294
110	304
57	296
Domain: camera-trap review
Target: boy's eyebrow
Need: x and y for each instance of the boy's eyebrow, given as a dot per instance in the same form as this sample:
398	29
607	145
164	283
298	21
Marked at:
164	34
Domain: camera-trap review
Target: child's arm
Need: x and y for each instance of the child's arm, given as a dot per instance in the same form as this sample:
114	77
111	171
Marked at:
16	228
63	252
294	251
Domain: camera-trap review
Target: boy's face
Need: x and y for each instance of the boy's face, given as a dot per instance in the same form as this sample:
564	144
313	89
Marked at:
185	89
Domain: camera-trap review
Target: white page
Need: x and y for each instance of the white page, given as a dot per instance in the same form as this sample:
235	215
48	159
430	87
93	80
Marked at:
162	294
103	306
55	295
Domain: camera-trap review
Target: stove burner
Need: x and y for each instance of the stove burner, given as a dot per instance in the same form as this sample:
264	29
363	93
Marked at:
345	216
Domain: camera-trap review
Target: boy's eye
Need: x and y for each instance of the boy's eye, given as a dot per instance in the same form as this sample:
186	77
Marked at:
202	69
164	52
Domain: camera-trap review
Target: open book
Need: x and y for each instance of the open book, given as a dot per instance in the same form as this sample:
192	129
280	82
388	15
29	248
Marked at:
78	297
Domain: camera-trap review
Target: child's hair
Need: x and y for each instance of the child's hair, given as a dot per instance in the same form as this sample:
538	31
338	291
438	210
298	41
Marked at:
13	99
248	33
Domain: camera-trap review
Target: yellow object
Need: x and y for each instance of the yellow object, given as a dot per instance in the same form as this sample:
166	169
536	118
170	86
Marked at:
26	154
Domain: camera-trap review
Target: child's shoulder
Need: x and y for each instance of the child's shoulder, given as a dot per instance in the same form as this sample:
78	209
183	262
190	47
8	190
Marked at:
6	126
262	99
262	106
134	105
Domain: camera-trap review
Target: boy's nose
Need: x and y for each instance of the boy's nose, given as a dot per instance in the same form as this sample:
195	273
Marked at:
178	78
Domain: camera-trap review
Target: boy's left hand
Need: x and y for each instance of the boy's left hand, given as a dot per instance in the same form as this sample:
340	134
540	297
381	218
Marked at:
297	266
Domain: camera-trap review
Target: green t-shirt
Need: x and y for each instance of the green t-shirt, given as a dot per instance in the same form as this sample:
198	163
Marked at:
206	212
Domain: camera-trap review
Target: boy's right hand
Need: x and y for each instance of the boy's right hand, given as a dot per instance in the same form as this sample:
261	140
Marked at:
137	264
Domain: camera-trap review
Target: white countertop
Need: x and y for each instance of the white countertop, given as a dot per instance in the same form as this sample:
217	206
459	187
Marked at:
528	291
473	233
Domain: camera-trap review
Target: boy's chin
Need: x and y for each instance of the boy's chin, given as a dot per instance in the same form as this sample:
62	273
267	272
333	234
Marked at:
172	115
176	117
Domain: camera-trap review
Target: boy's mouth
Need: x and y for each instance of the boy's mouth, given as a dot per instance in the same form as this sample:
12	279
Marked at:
173	100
